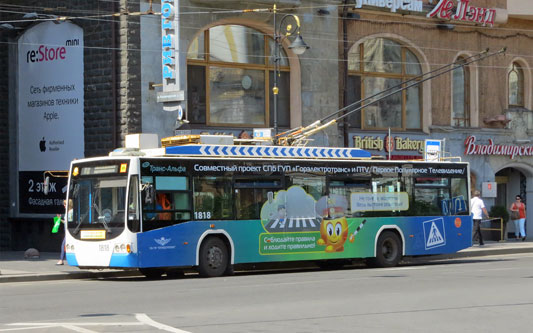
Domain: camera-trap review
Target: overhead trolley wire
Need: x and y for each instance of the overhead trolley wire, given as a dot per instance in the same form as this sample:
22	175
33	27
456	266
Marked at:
296	136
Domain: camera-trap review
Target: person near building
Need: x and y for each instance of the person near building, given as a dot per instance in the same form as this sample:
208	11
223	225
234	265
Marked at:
477	208
69	216
518	215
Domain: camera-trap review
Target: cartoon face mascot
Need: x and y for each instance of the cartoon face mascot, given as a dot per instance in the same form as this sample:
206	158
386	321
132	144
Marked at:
333	234
334	227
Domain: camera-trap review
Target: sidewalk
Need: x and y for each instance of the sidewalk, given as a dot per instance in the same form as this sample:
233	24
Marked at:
14	268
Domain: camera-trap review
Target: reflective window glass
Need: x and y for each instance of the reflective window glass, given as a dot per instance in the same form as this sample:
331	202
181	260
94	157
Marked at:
516	85
387	112
460	112
385	65
237	96
382	55
233	85
412	66
236	43
197	48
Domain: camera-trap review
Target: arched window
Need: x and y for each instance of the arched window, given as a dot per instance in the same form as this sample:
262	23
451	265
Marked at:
230	75
374	66
461	96
516	85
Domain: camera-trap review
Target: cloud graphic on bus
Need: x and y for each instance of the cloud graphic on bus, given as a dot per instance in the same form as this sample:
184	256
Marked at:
292	208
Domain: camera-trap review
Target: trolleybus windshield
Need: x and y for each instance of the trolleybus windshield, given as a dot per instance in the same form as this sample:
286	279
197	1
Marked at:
98	207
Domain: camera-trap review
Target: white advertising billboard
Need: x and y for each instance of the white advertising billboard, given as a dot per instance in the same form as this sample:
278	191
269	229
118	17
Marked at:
50	109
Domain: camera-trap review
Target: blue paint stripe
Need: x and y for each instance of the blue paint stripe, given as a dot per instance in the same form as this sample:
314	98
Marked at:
254	151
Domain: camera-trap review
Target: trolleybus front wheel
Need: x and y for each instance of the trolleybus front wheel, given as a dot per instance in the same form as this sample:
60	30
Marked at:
214	259
388	250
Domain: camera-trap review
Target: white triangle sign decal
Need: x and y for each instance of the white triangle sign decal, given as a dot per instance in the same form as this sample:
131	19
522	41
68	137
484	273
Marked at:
435	237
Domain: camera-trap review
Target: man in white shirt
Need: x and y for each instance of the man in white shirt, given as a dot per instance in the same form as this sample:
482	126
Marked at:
477	208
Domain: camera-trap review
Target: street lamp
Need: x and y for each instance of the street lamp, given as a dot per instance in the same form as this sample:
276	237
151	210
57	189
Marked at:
298	46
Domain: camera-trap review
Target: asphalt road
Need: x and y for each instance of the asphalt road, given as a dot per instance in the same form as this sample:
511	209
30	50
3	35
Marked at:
488	294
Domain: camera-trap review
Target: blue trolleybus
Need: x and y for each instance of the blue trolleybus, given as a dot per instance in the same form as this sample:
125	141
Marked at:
211	207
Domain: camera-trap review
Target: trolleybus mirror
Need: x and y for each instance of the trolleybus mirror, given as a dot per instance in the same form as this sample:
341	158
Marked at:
148	193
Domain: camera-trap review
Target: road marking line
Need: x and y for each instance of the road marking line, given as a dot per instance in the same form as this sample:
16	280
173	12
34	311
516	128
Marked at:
78	329
404	268
143	318
24	328
78	324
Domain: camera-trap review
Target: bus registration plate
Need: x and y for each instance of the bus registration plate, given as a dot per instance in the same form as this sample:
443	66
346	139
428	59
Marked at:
92	234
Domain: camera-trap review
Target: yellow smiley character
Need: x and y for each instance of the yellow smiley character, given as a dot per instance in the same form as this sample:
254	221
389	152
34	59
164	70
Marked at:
333	234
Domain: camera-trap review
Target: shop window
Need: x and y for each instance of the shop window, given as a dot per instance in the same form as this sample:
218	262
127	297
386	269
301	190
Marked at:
230	74
516	85
374	66
461	96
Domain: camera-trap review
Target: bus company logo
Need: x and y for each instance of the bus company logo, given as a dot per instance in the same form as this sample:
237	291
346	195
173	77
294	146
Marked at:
145	164
434	233
162	241
162	244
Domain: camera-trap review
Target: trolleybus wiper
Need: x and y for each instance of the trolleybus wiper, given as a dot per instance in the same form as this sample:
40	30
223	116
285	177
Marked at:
75	232
101	218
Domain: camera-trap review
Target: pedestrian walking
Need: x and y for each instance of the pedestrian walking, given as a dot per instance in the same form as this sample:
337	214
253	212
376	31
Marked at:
68	217
477	207
518	215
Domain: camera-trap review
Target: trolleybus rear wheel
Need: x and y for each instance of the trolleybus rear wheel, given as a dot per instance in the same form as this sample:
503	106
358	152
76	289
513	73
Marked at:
388	250
214	258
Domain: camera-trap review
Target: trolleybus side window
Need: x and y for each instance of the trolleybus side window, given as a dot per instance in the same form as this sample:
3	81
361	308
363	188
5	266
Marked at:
346	187
251	194
313	185
212	198
168	204
431	195
459	196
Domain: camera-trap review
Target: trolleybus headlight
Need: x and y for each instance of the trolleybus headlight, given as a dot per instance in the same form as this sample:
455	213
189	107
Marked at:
72	248
122	247
117	248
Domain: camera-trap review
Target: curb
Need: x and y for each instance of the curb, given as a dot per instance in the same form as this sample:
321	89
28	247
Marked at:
478	252
67	276
471	253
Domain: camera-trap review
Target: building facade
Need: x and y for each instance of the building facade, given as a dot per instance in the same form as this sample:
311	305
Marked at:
227	53
481	109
